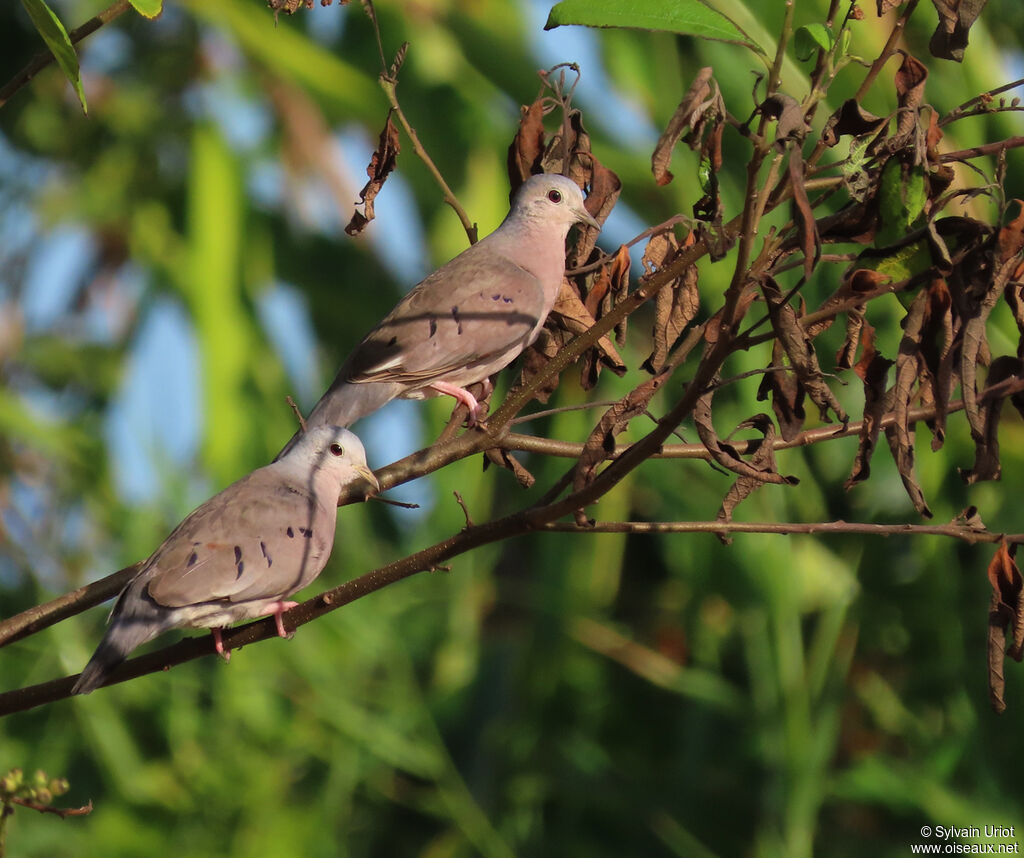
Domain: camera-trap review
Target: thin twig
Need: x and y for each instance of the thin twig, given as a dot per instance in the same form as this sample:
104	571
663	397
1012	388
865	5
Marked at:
465	512
391	502
62	812
390	89
297	412
983	98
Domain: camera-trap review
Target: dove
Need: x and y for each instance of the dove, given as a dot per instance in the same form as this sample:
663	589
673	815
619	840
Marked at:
471	317
240	554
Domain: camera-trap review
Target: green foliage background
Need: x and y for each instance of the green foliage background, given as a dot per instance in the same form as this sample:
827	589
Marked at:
554	695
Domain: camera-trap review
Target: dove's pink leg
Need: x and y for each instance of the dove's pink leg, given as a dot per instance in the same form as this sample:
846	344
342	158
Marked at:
463	396
276	609
218	645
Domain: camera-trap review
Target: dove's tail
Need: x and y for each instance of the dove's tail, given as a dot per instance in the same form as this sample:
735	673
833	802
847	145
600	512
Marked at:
121	638
346	402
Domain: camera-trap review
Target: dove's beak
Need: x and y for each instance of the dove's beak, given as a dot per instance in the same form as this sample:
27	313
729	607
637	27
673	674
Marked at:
587	218
370	479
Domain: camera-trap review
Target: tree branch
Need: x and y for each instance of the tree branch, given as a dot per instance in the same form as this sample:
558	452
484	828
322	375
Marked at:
951	530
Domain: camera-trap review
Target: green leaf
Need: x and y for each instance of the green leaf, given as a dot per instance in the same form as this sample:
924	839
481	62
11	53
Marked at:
56	38
810	39
686	17
148	8
901	196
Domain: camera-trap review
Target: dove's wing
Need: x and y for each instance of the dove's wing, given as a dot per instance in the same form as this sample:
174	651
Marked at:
258	539
467	313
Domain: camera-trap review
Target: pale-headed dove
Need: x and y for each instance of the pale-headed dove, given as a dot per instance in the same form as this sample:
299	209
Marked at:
468	319
240	554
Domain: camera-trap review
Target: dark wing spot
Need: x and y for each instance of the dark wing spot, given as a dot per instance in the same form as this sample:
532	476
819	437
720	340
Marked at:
392	341
193	558
241	568
506	299
291	533
238	554
496	297
306	532
433	327
458	321
263	548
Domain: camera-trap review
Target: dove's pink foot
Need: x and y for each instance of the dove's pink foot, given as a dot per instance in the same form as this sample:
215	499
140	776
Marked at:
276	609
218	645
465	397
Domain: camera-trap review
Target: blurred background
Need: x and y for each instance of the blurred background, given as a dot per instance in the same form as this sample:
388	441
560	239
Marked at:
174	264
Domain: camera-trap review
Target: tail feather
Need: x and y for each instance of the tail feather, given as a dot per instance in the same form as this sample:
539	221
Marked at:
344	403
121	638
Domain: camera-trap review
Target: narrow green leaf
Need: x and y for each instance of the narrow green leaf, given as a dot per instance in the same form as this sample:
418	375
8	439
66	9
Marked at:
808	40
686	17
56	38
148	8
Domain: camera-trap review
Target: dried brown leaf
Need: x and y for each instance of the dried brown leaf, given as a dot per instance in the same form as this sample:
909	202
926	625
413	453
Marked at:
676	304
939	338
799	349
986	448
504	459
900	434
955	19
762	460
803	216
873	370
724	453
536	357
850	119
701	99
572	315
1011	236
1005	615
382	162
527	147
910	81
790	124
600	445
787	394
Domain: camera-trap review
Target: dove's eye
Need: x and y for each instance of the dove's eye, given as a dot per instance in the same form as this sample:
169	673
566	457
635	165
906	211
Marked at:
337	450
555	196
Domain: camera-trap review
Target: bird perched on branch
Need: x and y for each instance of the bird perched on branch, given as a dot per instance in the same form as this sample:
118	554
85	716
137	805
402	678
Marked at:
468	319
240	554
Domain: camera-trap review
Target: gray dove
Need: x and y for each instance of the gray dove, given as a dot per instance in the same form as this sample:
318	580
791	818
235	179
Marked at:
468	319
240	554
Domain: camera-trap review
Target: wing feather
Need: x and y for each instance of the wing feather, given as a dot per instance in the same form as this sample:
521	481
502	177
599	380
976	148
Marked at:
493	307
242	546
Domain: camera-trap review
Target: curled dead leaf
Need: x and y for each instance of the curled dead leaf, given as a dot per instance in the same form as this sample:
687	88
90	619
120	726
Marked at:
382	162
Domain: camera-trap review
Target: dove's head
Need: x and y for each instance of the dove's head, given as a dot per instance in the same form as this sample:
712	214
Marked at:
552	200
334	454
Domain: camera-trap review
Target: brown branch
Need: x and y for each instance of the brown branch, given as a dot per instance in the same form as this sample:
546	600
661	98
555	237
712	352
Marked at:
515	441
986	149
44	58
951	530
36	619
62	812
